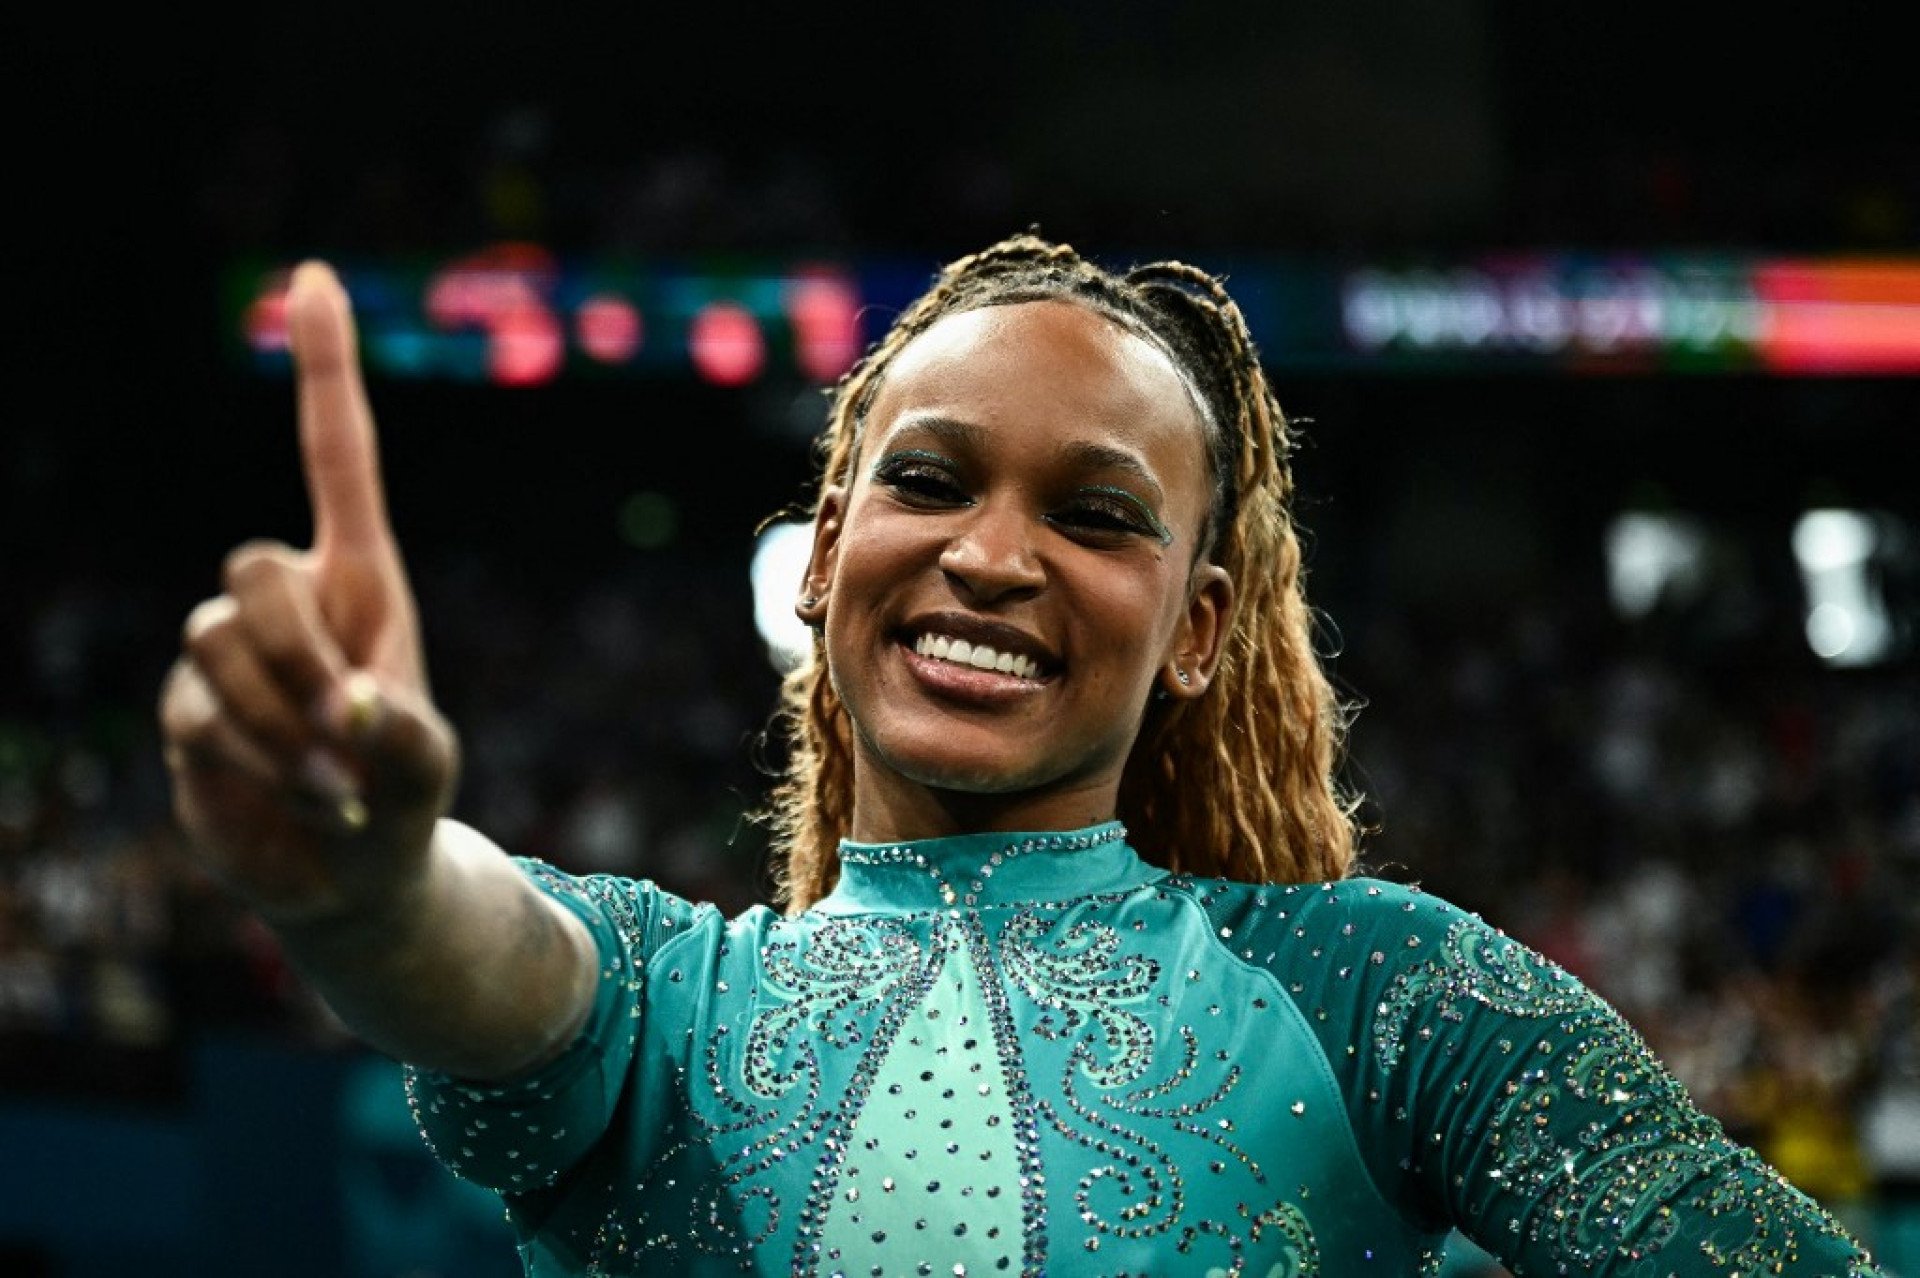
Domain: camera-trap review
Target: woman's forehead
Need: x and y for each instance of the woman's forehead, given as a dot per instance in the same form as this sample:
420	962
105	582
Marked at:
1048	358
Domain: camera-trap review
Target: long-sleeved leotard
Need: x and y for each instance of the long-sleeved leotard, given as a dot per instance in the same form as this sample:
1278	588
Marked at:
1001	1054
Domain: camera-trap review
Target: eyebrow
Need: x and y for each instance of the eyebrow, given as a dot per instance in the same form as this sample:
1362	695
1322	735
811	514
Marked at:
1084	454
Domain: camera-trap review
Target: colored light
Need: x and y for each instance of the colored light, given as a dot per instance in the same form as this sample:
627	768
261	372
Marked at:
501	290
265	320
825	313
608	328
726	345
525	347
1847	317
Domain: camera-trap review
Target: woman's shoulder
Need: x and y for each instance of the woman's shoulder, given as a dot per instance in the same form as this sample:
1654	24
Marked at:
1361	905
1372	936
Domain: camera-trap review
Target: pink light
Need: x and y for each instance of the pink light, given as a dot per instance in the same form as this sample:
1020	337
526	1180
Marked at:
825	312
502	289
608	328
1851	317
265	321
726	344
525	346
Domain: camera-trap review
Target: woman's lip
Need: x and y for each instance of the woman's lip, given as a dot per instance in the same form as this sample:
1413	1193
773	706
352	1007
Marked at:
969	683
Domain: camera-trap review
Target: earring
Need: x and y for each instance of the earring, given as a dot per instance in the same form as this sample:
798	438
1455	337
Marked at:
1183	677
808	601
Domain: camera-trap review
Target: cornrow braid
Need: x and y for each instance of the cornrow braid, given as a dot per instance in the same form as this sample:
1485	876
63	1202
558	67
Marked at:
1240	783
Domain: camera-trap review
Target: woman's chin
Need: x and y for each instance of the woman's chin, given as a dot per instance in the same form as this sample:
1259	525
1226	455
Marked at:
988	765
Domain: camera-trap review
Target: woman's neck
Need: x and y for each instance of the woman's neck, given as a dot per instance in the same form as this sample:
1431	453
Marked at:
904	810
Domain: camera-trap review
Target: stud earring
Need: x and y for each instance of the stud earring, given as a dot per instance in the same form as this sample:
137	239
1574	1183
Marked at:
1183	677
808	601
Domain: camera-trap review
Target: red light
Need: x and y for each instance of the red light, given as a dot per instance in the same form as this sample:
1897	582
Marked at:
525	346
608	328
825	312
726	345
1842	317
501	289
265	322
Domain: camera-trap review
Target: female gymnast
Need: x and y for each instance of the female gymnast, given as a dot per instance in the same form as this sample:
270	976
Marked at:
1075	974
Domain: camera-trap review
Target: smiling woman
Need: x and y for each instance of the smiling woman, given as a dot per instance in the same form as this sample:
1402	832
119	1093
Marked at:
1011	500
1073	977
1104	411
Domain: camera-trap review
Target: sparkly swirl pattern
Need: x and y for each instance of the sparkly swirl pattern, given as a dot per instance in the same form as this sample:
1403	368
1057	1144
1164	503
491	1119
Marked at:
1083	986
1082	979
847	972
1603	1190
844	990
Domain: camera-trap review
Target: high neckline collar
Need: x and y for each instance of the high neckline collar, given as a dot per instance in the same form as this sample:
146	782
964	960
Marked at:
963	871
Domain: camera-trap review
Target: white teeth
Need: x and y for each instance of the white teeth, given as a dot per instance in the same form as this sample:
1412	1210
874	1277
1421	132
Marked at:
979	656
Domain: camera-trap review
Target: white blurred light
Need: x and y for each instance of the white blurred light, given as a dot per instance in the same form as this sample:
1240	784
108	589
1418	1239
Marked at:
1847	622
1649	555
1830	631
779	565
1827	539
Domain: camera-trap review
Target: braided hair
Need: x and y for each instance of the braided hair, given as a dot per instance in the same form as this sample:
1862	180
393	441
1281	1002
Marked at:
1239	783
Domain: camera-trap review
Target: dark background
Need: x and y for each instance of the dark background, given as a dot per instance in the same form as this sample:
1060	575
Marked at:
1456	520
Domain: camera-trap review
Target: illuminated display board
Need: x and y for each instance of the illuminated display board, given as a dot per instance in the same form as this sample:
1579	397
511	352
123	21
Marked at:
515	315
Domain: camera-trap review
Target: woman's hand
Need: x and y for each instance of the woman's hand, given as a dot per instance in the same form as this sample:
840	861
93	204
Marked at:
309	764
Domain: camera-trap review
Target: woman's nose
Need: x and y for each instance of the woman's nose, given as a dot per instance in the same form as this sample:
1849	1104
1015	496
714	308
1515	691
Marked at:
993	555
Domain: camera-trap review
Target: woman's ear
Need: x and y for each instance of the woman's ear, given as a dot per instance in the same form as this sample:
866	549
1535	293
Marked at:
811	607
1201	638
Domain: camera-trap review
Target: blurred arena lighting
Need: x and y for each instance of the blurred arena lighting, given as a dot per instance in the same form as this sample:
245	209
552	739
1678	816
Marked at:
1651	557
1840	317
726	345
825	311
648	520
779	564
503	291
513	313
608	328
1847	620
1619	312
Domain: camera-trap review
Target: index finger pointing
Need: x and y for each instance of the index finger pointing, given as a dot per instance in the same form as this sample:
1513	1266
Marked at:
337	443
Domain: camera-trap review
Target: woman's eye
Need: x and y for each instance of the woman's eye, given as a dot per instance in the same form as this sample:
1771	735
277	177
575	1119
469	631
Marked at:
920	482
1099	519
1111	517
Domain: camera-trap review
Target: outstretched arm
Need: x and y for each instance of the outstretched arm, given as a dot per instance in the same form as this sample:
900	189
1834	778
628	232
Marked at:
312	772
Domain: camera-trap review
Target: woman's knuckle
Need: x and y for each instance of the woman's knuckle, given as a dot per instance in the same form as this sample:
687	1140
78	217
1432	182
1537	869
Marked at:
250	561
209	624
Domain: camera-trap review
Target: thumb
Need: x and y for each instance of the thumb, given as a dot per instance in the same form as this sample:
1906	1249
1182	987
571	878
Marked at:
409	752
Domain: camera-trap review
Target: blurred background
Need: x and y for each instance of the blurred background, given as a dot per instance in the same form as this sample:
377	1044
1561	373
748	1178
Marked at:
1604	338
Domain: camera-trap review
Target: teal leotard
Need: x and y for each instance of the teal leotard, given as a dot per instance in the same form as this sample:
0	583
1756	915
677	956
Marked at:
1038	1054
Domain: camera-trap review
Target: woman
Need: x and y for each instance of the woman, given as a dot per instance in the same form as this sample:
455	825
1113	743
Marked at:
1060	618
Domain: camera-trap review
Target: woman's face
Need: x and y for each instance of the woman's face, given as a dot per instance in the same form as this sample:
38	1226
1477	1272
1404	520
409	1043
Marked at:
1011	569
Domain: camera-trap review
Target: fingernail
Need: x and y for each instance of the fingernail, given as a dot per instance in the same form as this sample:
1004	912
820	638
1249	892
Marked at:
352	707
352	812
363	703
